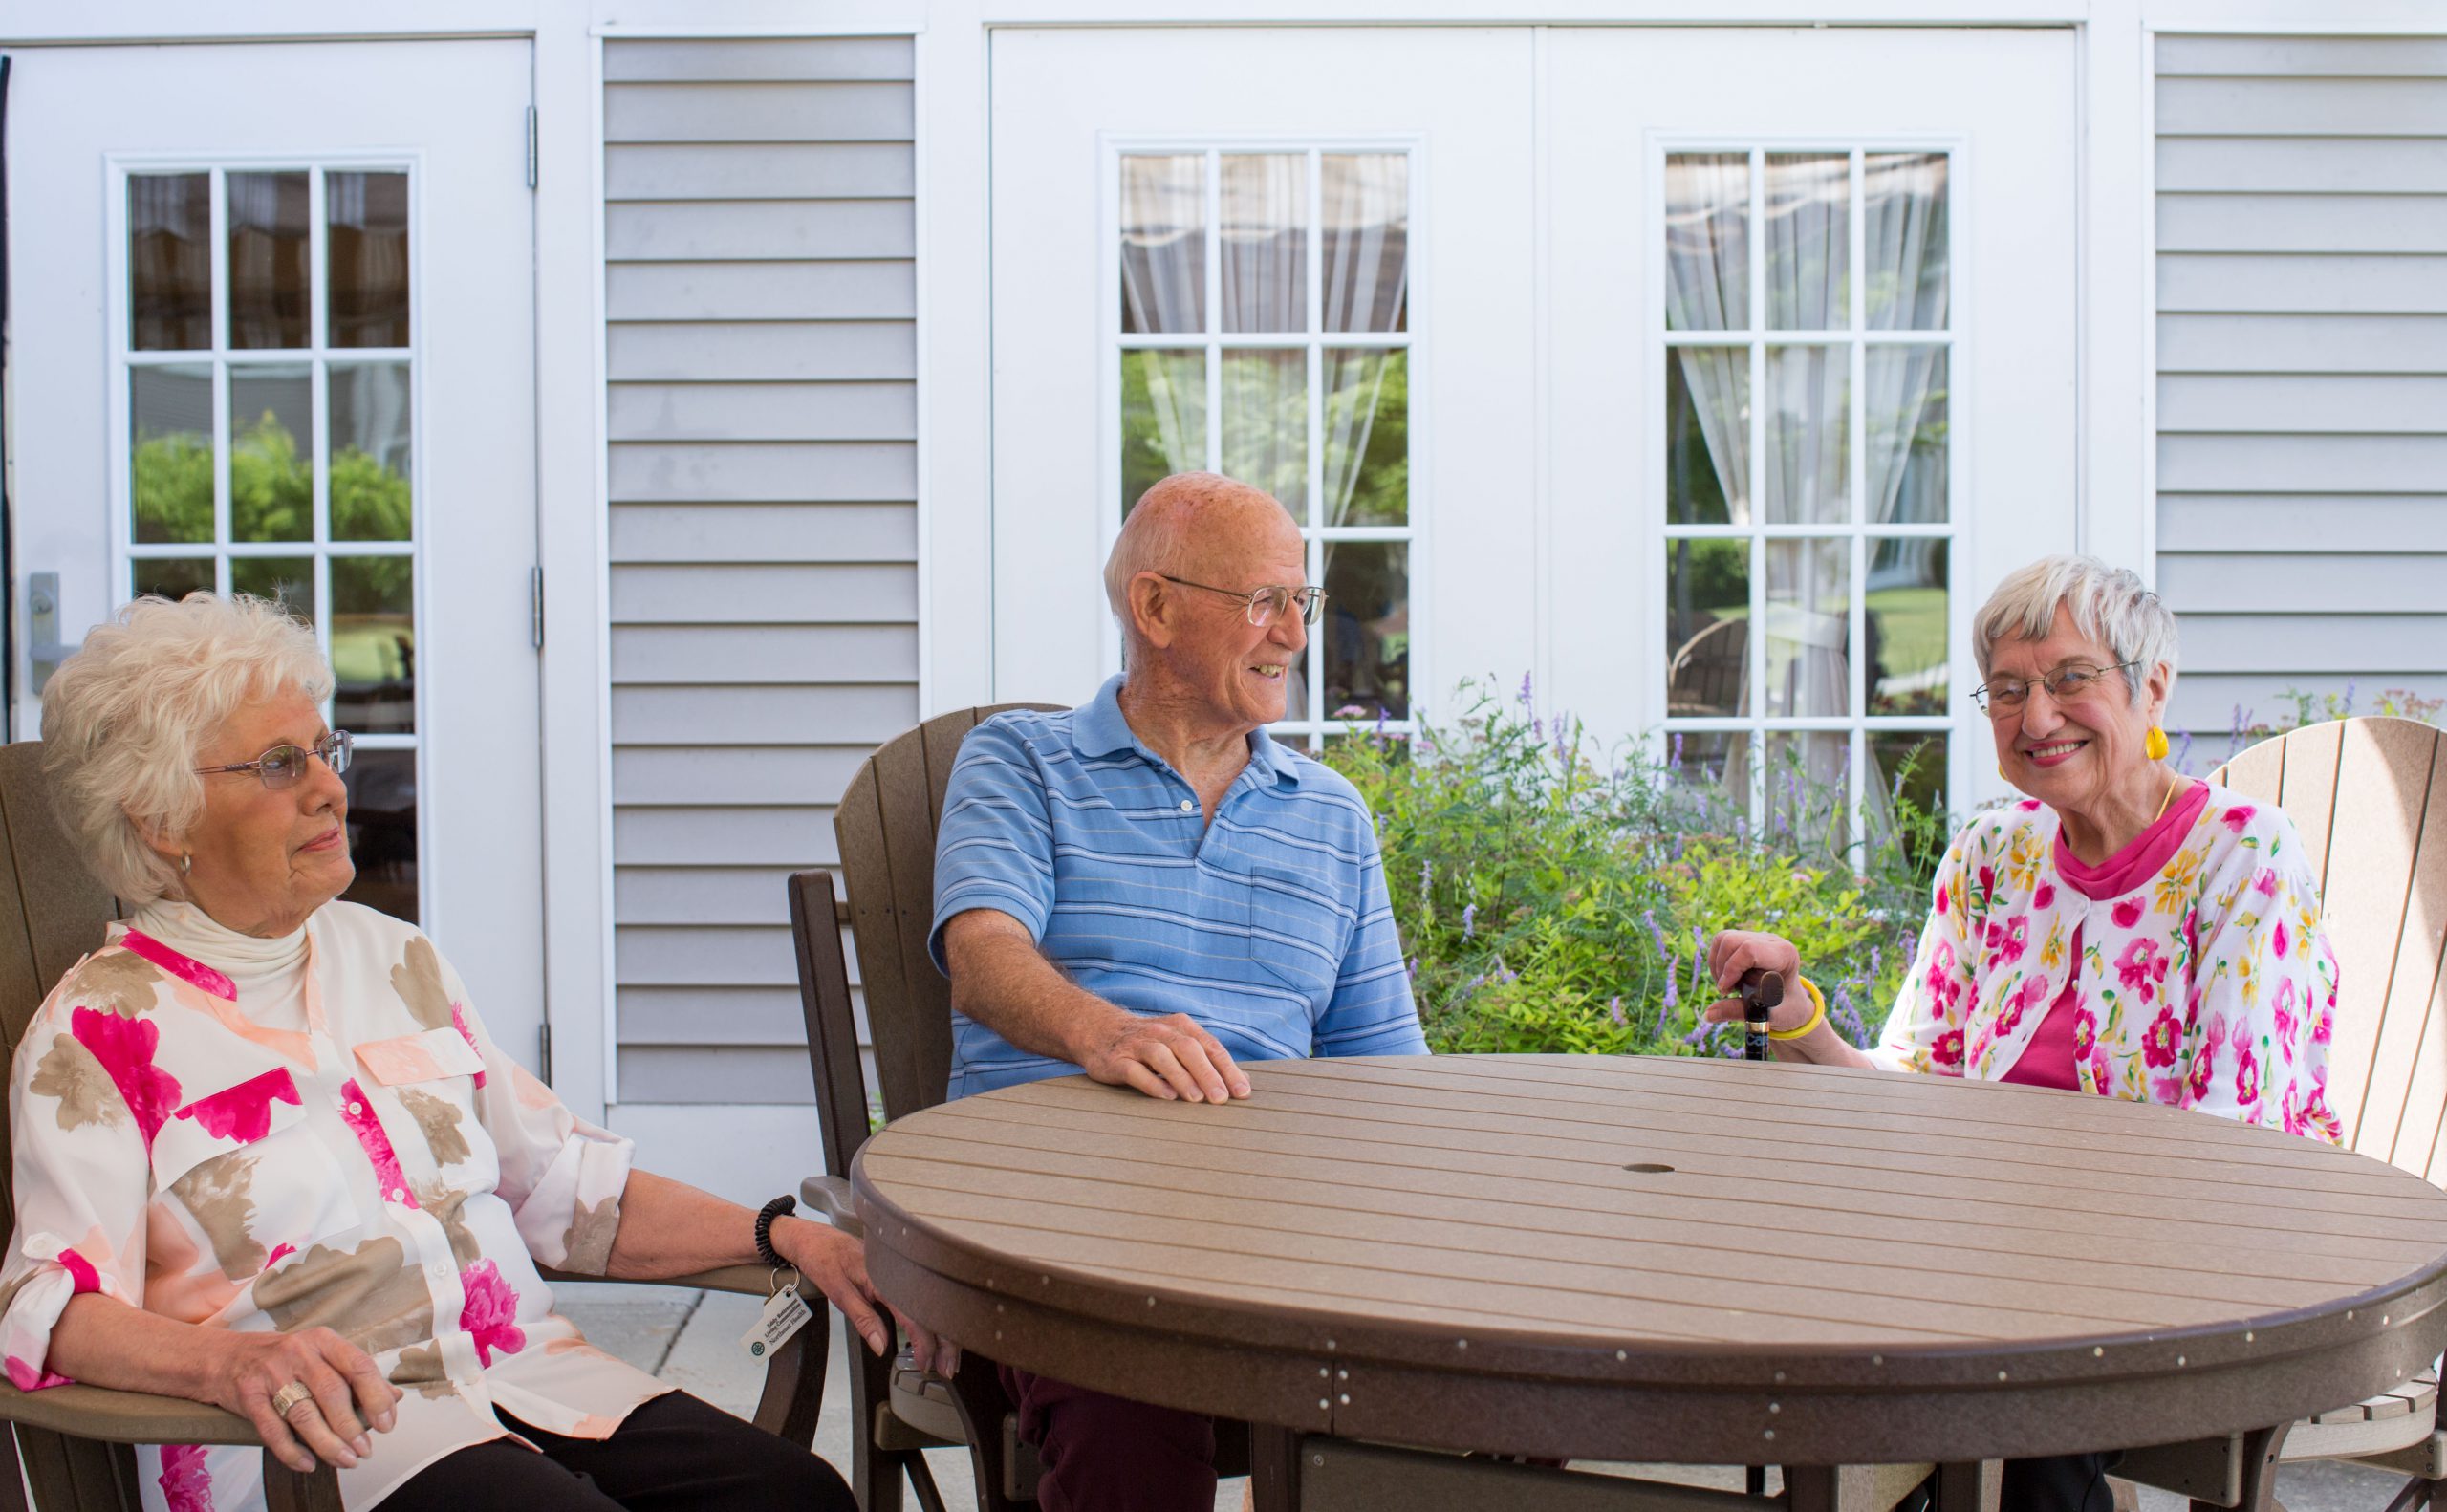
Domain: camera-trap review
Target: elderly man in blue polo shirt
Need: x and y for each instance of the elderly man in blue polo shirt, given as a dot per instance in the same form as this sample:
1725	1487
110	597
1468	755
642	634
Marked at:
1150	890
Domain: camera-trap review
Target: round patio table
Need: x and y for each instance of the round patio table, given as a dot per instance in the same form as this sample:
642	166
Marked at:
1652	1259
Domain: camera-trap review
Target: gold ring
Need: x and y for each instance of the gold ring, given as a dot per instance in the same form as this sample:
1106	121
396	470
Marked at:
286	1400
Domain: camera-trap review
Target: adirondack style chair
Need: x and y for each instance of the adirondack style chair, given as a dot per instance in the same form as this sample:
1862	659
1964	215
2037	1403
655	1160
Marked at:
78	1441
885	826
2370	798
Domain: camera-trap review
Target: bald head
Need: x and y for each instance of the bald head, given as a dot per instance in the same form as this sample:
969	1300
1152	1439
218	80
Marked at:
1201	525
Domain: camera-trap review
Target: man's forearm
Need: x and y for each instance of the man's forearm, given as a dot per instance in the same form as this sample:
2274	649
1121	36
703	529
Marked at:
1004	982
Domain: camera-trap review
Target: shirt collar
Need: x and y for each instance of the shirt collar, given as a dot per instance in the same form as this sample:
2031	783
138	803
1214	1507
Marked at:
1097	728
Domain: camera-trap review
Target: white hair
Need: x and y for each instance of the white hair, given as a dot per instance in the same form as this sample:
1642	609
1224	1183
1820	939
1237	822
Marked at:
124	722
2109	604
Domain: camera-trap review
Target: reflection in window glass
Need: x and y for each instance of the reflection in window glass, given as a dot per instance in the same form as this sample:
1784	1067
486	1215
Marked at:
1163	243
1809	281
1265	424
1810	622
1264	243
369	426
1903	209
169	262
1905	397
1707	435
269	298
382	831
1368	438
271	452
1367	230
1707	628
1365	637
373	643
1707	240
1809	421
365	218
1906	623
286	580
172	577
1809	786
1164	419
170	452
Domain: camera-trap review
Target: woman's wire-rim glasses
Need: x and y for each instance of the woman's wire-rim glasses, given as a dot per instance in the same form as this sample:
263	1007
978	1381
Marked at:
1262	604
2073	679
282	764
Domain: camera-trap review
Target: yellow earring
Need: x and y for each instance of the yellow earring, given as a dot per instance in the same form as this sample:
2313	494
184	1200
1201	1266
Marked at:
2155	746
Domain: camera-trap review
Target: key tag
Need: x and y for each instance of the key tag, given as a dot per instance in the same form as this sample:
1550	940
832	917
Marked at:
786	1313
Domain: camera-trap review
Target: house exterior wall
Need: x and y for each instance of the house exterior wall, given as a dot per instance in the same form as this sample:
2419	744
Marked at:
760	300
2301	202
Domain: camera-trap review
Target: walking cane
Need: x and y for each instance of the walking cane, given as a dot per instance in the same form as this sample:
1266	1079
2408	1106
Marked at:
1761	992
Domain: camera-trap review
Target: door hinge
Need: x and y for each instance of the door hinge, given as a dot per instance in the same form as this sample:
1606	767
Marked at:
536	605
534	169
544	1053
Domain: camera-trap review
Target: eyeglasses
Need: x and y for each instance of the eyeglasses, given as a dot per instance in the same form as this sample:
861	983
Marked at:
282	764
1266	603
2069	681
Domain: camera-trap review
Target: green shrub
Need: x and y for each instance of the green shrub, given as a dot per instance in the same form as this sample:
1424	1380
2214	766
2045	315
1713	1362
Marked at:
1554	898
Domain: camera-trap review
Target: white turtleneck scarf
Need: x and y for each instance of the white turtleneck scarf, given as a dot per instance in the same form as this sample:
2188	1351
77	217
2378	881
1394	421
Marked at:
269	974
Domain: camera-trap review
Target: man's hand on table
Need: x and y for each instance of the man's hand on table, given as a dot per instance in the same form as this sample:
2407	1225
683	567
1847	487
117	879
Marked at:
1170	1058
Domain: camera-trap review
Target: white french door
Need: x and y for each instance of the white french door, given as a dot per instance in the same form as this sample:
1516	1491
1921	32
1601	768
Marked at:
275	334
1861	417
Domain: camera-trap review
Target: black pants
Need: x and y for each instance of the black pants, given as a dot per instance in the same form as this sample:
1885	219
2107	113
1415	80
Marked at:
674	1453
2057	1483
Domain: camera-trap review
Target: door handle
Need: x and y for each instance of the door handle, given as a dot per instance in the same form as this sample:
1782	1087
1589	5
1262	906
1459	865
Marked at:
44	652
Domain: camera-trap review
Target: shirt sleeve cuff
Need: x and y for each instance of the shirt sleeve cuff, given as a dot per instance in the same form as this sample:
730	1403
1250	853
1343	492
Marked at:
982	892
572	1217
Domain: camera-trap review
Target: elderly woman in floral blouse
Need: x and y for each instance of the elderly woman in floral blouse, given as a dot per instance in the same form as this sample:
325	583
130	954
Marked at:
267	1157
2124	930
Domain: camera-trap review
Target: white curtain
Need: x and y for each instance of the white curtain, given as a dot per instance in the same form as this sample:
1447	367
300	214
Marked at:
1265	272
1365	205
1163	244
1707	287
1904	245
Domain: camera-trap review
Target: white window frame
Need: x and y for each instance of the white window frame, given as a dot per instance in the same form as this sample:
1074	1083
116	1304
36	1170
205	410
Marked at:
116	169
1959	726
1415	535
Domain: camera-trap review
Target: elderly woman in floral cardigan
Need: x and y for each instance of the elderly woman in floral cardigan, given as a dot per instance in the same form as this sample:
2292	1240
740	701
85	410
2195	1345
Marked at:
2124	930
267	1156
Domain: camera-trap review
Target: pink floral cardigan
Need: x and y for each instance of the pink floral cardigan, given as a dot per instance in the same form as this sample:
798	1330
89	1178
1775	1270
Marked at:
2210	986
388	1172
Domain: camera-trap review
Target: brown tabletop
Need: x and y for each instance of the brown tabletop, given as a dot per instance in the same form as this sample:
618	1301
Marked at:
1668	1260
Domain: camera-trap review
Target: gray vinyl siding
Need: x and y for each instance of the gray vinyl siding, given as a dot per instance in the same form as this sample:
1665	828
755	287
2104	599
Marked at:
2301	368
761	290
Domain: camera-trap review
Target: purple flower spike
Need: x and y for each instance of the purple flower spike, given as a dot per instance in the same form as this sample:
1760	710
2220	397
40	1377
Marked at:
1414	968
2350	685
1648	917
1469	920
1614	1010
1673	986
1525	690
1678	749
1678	845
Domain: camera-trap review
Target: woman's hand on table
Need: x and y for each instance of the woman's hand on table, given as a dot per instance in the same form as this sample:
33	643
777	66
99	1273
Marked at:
1733	954
837	1264
350	1395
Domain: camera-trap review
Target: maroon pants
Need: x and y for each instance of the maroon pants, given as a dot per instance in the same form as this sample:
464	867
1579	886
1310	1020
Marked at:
1102	1454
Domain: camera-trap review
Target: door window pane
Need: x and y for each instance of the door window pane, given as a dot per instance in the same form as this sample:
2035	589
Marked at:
170	452
1809	782
382	831
268	298
1707	628
1905	240
1368	438
1265	424
1707	435
369	428
1367	232
1810	627
1808	234
1810	419
1163	243
1905	620
1265	253
373	643
287	580
172	577
271	452
1164	419
366	244
1366	629
1707	240
1905	399
169	262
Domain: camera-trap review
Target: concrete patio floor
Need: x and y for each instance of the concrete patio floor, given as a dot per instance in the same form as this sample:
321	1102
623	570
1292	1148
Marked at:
691	1339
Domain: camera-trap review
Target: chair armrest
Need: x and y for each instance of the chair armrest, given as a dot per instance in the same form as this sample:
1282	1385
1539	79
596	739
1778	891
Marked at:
749	1281
123	1418
829	1197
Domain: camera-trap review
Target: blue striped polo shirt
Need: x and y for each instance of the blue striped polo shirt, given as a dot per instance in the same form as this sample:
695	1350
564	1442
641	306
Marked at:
1270	927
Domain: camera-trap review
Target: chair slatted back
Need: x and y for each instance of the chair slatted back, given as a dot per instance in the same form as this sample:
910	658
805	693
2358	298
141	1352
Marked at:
52	912
886	828
2369	796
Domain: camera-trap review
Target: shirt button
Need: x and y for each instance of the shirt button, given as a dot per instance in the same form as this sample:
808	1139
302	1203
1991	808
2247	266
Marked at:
355	1109
398	1194
1187	807
440	1272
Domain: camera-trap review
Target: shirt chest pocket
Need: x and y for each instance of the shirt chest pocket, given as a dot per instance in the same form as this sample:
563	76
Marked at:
253	1173
434	1074
1297	930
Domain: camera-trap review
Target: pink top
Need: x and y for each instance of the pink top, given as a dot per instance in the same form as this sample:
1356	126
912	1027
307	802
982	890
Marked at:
2049	1061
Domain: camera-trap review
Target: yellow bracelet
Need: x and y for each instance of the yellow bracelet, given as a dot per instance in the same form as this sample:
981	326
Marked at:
1816	1018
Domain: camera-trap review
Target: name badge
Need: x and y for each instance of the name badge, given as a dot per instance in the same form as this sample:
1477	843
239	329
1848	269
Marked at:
785	1313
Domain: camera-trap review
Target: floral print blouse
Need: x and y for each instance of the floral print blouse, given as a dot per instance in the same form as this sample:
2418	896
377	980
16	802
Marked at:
377	1166
2210	985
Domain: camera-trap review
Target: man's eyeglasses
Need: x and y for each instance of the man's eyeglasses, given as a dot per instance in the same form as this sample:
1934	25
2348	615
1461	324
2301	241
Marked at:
282	764
2068	682
1266	603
